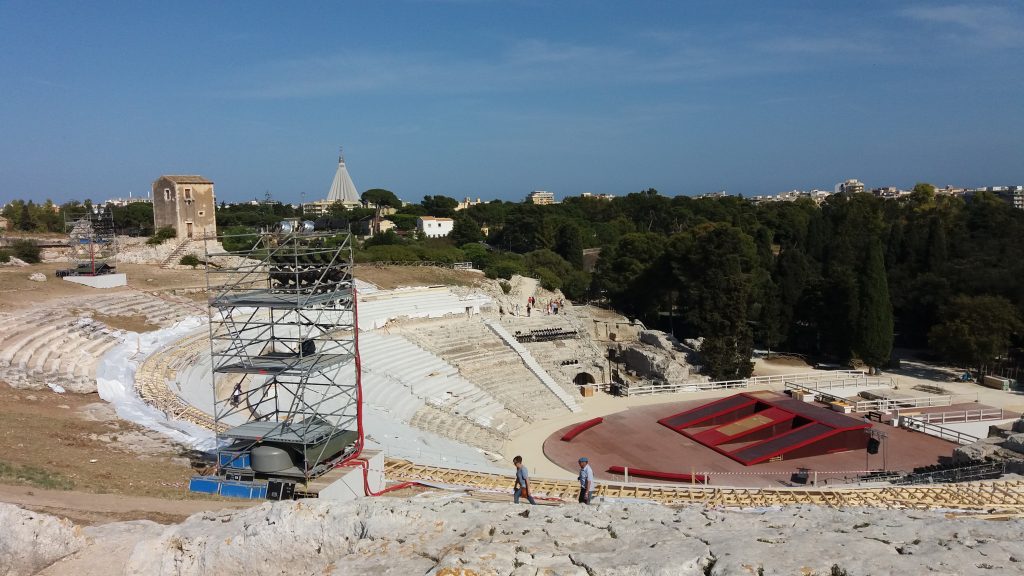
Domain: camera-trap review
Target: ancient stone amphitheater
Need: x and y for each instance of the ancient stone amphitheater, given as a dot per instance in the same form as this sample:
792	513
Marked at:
448	387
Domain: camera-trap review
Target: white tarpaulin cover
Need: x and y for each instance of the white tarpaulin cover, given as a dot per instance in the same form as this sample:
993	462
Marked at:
115	382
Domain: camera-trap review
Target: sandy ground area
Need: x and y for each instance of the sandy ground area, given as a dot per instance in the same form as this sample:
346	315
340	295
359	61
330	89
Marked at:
68	454
388	277
17	291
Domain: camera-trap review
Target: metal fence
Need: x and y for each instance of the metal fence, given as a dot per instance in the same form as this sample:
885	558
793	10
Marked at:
961	416
650	387
986	471
913	423
892	404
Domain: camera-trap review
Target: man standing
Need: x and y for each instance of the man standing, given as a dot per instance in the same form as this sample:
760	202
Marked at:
522	487
586	481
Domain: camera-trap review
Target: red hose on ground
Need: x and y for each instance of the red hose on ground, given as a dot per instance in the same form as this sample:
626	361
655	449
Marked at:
353	458
359	386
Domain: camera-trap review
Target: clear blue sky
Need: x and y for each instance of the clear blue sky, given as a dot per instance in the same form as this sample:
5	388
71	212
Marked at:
495	98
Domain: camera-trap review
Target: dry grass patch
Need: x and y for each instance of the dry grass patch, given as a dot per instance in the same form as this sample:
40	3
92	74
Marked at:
388	277
133	323
48	440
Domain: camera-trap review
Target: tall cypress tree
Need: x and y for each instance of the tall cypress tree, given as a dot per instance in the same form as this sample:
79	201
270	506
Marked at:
873	339
712	266
569	244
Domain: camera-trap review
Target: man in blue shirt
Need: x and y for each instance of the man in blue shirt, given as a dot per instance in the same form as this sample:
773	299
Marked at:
586	481
522	481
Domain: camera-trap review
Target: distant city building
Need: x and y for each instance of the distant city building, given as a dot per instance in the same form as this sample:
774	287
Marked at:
1012	195
3	223
719	194
467	203
541	197
433	227
597	196
185	202
950	190
890	192
342	190
818	196
852	186
126	201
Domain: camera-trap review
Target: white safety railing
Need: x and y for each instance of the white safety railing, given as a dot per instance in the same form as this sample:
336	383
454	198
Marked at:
891	404
876	404
960	416
752	382
847	382
912	423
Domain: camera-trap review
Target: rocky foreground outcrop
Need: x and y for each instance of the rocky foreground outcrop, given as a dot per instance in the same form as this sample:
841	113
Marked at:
445	534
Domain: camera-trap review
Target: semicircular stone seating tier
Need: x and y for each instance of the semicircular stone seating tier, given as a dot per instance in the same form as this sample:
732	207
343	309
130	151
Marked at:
59	343
486	360
399	379
170	367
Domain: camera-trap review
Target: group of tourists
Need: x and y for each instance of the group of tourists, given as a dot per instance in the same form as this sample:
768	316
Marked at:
550	306
522	486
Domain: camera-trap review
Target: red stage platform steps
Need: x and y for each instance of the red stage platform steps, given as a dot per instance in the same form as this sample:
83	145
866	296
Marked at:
755	427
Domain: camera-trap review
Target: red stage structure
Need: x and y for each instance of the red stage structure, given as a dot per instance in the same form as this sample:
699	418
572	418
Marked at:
755	427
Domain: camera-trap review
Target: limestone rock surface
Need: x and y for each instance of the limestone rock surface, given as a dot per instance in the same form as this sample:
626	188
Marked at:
1015	442
444	534
30	541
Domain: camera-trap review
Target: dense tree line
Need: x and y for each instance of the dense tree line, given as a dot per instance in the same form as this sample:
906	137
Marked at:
849	279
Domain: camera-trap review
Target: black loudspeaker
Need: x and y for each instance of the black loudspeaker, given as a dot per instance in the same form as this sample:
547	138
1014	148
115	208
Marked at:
799	477
873	444
274	490
287	490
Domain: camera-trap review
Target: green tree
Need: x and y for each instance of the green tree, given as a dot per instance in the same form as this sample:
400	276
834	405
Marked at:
26	250
629	274
338	210
975	330
25	221
381	197
569	243
922	196
873	341
465	230
478	254
383	239
48	218
439	206
712	265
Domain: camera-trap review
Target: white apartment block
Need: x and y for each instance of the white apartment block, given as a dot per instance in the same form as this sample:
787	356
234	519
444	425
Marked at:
541	197
432	227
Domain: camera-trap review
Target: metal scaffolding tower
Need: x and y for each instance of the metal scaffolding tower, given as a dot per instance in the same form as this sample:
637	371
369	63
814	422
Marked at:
283	347
92	240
